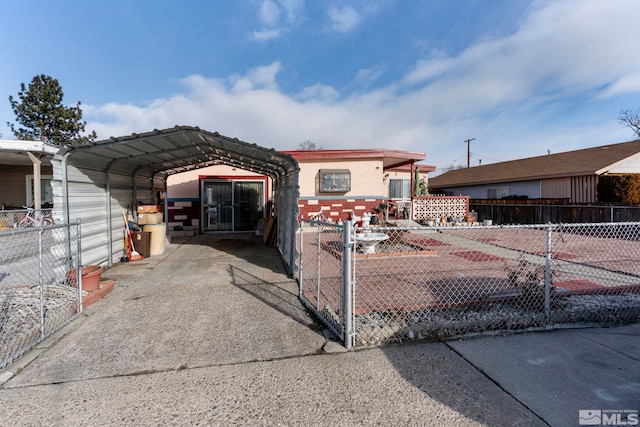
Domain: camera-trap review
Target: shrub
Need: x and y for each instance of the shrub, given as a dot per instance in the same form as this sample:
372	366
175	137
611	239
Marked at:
619	188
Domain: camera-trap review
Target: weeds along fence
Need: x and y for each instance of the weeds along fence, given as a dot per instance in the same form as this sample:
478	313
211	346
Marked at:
39	270
435	283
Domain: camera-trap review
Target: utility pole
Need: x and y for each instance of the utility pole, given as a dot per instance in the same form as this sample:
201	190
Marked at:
468	141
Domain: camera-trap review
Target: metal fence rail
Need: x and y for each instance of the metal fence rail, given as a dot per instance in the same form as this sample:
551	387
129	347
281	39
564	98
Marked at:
39	268
443	282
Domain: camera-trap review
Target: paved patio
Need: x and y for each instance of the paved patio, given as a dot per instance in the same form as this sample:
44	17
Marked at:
212	332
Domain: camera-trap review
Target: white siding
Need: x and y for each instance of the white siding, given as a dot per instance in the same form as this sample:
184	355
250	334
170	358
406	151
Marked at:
630	166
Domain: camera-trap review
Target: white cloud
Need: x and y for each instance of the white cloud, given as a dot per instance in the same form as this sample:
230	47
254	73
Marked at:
367	76
270	17
561	48
263	77
294	10
502	91
347	17
318	93
269	13
626	84
265	35
343	19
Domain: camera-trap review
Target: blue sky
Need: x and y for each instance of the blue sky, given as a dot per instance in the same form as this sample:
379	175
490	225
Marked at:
521	77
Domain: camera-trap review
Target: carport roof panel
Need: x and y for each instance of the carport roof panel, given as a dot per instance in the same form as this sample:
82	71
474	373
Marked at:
179	149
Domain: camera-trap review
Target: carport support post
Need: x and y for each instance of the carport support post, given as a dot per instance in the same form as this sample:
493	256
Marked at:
547	278
347	286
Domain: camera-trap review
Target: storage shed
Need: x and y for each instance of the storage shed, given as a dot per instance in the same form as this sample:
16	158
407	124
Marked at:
95	183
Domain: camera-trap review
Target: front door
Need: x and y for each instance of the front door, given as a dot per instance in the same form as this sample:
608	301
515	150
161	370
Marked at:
229	205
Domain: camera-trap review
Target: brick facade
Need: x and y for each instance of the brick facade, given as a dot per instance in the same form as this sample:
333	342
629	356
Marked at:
338	209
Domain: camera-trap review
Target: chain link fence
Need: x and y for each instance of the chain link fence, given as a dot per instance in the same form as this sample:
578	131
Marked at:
39	270
435	283
25	218
320	274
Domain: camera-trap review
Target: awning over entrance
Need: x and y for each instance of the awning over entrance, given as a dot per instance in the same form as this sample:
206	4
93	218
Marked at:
36	153
96	182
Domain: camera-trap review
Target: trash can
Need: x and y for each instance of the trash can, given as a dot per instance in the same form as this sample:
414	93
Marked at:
158	236
142	243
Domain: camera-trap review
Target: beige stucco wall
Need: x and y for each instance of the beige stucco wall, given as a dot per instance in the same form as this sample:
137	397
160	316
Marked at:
366	178
186	184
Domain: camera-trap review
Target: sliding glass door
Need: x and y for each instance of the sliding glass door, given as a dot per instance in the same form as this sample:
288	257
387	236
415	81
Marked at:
229	205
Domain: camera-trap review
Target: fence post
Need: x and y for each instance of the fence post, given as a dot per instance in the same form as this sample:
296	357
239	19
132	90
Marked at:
41	281
347	288
318	281
78	259
301	258
547	277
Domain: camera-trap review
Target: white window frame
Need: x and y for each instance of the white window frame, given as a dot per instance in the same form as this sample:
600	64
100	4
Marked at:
406	188
45	188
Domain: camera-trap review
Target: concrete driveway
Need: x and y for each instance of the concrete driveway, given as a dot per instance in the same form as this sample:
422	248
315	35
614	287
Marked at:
212	333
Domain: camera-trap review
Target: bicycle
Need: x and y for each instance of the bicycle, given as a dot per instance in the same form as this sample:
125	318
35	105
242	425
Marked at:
30	219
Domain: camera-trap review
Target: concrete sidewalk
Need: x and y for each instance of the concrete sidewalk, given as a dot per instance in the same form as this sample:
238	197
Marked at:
212	333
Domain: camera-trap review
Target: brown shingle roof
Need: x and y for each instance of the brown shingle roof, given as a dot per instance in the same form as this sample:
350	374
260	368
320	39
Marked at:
588	161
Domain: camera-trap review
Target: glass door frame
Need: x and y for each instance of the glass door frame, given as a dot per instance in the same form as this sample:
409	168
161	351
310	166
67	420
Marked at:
232	180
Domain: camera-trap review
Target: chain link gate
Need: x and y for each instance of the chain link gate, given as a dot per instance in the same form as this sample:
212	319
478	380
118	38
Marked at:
325	273
39	270
435	283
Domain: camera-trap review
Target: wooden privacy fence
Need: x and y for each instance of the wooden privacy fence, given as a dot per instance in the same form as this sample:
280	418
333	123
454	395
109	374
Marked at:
520	213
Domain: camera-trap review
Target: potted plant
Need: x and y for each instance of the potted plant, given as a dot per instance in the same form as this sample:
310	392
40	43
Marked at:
91	275
384	207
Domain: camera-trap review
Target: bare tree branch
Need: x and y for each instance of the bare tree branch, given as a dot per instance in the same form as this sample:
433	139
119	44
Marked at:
631	119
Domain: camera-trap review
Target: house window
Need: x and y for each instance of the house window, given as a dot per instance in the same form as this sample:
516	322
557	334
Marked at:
497	192
399	188
46	195
335	180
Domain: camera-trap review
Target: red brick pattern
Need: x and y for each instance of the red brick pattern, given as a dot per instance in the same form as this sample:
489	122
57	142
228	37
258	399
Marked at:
192	212
339	209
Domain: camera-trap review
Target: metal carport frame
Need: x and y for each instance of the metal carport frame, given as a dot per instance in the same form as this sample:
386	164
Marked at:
96	182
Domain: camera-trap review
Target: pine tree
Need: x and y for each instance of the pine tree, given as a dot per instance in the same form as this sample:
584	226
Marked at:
42	116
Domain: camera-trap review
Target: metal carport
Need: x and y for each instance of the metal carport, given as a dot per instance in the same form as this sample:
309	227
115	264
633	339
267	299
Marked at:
96	182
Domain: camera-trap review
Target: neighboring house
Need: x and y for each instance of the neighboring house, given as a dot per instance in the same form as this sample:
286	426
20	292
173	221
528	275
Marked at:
570	175
20	162
336	182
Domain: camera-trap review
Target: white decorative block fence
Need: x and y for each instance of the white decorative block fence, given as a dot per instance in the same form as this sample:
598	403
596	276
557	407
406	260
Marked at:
436	207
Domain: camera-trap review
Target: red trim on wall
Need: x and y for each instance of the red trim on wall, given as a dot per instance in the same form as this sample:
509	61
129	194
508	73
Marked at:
353	154
267	193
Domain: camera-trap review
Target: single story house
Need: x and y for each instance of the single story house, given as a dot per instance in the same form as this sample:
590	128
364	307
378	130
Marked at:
571	175
335	182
